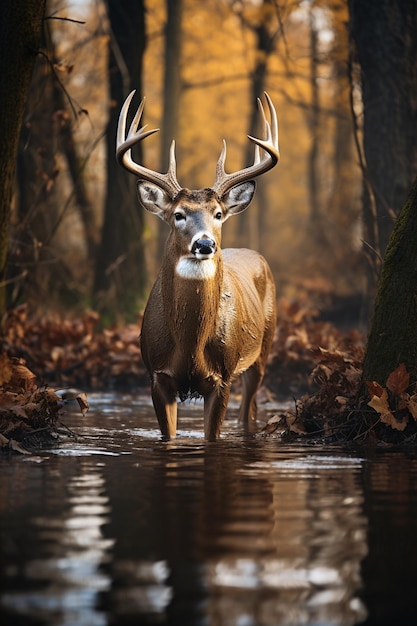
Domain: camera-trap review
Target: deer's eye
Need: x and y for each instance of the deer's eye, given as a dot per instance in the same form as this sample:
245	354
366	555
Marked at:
179	216
218	215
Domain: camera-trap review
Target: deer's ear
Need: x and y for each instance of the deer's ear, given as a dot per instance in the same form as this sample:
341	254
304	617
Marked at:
238	198
153	198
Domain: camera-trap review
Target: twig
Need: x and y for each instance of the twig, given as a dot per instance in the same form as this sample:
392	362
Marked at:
64	19
61	84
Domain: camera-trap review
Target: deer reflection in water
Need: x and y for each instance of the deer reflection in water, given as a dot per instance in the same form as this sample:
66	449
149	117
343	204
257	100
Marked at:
290	550
259	541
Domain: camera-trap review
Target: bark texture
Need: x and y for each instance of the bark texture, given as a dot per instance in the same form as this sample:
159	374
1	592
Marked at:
384	34
393	336
171	94
120	273
20	36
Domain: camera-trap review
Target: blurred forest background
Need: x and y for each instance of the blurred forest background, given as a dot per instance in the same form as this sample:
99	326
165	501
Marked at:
345	93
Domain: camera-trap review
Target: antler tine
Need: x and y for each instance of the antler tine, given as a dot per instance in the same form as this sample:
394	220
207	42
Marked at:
172	168
271	130
274	120
220	163
269	146
264	120
124	144
257	157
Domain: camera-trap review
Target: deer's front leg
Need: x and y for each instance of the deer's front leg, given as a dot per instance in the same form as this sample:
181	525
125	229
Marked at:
215	405
165	404
251	379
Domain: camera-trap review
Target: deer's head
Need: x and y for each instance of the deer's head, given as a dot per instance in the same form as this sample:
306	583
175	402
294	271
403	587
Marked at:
195	216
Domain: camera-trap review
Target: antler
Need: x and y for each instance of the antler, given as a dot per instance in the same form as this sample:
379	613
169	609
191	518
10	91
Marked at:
124	143
269	145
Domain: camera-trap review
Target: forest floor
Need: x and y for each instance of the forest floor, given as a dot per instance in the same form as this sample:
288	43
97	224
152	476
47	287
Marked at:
47	360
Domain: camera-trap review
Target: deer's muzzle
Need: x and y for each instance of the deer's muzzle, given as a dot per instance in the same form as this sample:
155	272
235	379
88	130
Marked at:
203	248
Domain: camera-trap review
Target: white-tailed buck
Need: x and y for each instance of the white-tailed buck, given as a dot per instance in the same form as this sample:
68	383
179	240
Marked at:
211	312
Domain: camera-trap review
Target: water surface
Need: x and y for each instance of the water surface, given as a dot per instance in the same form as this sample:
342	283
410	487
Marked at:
117	527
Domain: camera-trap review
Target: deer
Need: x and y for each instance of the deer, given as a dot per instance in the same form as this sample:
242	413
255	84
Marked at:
211	313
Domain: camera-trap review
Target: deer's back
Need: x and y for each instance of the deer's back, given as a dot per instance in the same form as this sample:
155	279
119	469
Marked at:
250	274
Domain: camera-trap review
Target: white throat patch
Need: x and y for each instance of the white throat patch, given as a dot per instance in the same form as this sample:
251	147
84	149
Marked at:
193	269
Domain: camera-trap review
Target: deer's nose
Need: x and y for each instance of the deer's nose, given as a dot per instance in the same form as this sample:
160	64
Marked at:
203	248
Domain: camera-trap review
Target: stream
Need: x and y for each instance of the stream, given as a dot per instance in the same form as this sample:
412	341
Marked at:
116	527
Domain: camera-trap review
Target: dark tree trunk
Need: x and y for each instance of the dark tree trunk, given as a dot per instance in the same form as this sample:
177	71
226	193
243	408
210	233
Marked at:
171	94
20	35
384	34
34	251
120	274
251	223
76	170
393	336
314	124
31	253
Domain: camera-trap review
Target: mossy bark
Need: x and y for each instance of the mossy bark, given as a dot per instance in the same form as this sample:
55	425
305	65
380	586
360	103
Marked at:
393	335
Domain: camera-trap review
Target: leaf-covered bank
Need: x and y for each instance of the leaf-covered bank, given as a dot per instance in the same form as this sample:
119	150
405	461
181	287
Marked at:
312	363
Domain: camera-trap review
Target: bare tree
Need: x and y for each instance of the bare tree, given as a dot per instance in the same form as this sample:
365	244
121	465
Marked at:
266	31
31	254
314	123
120	273
20	38
172	89
47	133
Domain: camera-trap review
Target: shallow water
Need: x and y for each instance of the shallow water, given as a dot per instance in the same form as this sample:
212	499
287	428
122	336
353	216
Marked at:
117	527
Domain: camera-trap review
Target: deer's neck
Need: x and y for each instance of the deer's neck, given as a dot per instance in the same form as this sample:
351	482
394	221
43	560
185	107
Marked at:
191	292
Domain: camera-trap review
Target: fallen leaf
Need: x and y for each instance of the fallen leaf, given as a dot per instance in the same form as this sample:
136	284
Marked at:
12	444
22	377
375	389
83	403
67	395
292	425
380	402
272	424
19	410
399	380
381	406
6	370
15	445
390	420
412	406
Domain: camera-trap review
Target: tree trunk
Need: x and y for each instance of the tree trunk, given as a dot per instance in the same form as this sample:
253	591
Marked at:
314	124
20	35
340	213
120	278
171	95
31	254
384	33
76	170
251	223
393	336
35	256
